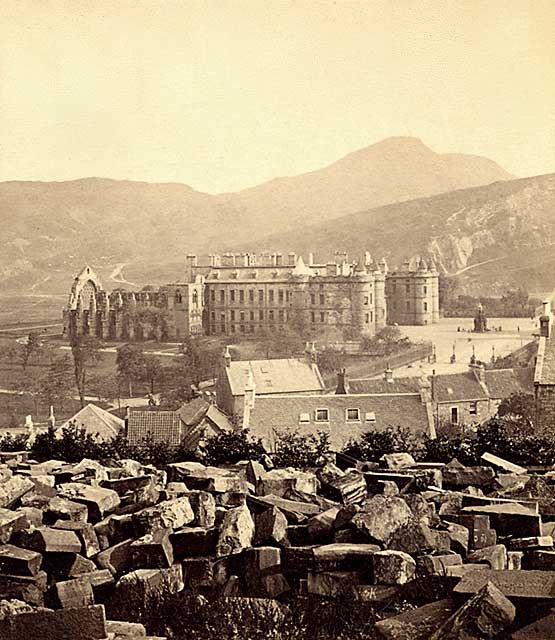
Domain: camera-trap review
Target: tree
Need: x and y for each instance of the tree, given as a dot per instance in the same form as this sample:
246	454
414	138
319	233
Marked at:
199	361
31	384
86	351
106	387
55	385
331	360
281	343
153	370
130	362
518	410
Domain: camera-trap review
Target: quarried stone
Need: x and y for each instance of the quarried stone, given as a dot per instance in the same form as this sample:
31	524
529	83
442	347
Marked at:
236	532
416	624
381	517
393	567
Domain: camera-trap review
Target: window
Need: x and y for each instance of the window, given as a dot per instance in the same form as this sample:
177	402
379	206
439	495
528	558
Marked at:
242	316
425	289
322	299
322	316
280	314
178	297
425	306
241	296
261	315
394	288
408	305
213	295
271	315
242	328
232	328
280	296
367	318
366	299
473	410
370	416
304	417
195	299
271	295
213	316
232	315
395	304
353	415
454	415
251	315
408	288
312	316
251	295
222	296
370	298
312	299
261	295
232	295
322	415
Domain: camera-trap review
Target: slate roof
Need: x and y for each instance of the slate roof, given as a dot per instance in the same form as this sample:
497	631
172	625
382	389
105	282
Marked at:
501	383
161	426
96	421
545	365
455	387
284	375
379	385
272	414
193	412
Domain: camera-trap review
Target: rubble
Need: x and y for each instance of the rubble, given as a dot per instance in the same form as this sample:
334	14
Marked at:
119	537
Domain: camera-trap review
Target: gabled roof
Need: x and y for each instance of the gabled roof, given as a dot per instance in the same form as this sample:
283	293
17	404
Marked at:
455	387
96	421
545	366
193	412
284	375
272	414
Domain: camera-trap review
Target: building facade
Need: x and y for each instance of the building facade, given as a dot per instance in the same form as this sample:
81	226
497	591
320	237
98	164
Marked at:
413	294
246	293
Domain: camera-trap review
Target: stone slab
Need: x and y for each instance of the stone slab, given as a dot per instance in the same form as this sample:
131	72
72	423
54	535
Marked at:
531	585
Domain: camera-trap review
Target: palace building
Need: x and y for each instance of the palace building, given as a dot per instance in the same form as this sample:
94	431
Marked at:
245	293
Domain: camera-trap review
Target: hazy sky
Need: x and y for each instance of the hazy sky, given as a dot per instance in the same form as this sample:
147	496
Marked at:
226	94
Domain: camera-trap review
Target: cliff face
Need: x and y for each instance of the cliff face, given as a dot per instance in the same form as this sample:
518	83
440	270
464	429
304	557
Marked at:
493	237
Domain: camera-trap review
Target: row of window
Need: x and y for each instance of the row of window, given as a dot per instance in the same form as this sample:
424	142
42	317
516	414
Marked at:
407	305
245	328
242	315
352	414
407	288
240	295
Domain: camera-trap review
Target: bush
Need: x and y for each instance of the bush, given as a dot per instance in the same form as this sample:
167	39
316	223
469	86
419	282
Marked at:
231	447
296	450
374	444
10	442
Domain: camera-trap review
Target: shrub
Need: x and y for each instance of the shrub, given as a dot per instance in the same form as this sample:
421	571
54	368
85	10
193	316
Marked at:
296	450
374	444
230	447
10	442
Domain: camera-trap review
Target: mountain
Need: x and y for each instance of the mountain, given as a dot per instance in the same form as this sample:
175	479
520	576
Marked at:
140	232
492	237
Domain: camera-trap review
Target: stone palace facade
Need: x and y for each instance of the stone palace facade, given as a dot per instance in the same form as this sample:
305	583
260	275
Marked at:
246	293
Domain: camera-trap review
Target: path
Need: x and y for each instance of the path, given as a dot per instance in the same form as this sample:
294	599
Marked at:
117	275
477	264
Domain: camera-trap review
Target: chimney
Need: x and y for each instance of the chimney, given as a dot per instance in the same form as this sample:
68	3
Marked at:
311	353
545	320
248	399
425	387
51	418
227	357
342	383
388	374
310	259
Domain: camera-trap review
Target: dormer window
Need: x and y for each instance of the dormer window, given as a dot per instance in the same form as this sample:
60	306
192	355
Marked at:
322	415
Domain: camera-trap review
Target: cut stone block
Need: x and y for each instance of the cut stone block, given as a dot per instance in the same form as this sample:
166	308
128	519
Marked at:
536	542
295	512
72	594
152	551
87	623
97	499
486	615
500	463
278	481
194	541
320	527
121	628
531	585
343	557
349	488
30	589
170	514
414	538
260	572
86	534
467	476
494	556
271	527
204	508
48	540
17	561
381	517
416	624
437	565
13	489
541	629
236	532
116	559
398	461
331	584
67	565
64	509
540	559
509	519
393	567
10	521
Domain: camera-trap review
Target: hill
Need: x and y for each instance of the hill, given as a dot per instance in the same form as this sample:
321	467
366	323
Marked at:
492	237
51	229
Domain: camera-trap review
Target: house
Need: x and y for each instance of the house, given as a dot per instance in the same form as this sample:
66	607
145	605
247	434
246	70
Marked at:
187	426
283	376
462	398
344	416
95	421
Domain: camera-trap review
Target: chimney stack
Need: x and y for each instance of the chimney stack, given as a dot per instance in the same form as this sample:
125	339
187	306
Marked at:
388	374
227	357
545	320
342	383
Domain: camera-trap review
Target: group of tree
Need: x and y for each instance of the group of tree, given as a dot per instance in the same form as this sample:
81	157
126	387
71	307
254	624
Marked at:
514	303
385	342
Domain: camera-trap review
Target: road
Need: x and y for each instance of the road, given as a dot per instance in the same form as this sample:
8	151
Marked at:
117	275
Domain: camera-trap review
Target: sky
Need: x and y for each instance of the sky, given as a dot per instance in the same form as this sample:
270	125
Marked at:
222	95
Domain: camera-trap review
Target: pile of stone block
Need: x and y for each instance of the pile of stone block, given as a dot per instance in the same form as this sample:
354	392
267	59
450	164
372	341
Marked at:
89	548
